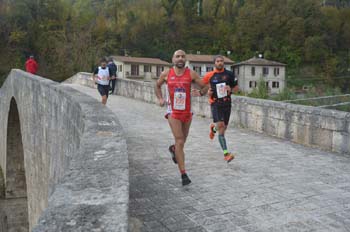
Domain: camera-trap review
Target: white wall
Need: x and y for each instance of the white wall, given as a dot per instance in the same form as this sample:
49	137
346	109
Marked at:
126	68
120	74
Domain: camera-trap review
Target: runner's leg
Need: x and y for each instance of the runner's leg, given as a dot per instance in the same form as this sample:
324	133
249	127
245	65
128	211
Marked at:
180	132
221	129
180	139
224	116
104	99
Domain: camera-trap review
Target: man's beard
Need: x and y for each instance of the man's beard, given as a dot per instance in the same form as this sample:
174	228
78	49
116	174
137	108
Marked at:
219	67
180	65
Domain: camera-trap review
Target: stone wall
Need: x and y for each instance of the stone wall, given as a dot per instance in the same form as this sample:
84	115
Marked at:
312	126
75	156
3	221
82	78
2	185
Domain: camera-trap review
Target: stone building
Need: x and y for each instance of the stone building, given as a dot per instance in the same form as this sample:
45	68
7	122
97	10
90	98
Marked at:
205	63
249	73
139	67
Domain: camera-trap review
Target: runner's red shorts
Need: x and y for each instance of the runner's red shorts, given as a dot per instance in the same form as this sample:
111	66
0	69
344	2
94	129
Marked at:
183	117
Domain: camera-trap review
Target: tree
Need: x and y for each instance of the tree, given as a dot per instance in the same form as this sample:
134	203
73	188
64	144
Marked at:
68	36
315	49
261	91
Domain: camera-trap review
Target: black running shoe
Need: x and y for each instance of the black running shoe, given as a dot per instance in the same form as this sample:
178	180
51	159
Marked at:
185	179
172	152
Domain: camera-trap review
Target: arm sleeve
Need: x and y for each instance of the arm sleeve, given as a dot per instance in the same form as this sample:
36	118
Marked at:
96	71
233	80
207	77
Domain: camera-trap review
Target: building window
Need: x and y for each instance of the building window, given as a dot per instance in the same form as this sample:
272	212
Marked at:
134	69
160	69
267	84
252	84
276	71
275	84
120	68
253	71
197	69
209	69
147	68
265	71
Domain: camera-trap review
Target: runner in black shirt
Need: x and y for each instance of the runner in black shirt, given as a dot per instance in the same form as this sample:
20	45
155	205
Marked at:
113	69
221	83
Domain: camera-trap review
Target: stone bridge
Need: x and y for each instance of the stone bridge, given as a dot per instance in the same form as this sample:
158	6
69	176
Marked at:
57	148
70	164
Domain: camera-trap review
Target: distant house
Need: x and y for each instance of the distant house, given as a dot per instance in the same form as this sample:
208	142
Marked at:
139	67
249	72
204	63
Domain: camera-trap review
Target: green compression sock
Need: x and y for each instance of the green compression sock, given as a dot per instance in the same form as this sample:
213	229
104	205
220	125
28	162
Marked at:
222	141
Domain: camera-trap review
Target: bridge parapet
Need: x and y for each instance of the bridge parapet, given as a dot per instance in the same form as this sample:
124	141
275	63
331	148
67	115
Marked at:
74	156
312	126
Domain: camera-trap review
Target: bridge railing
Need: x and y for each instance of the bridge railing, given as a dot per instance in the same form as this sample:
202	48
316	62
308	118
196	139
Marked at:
312	126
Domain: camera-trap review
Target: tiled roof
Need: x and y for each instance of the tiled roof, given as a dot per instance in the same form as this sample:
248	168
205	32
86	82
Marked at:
261	62
205	58
140	60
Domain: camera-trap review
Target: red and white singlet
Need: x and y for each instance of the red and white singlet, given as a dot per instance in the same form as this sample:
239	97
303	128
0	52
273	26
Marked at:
179	95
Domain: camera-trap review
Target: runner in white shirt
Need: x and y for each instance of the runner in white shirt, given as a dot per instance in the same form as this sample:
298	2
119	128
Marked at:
101	76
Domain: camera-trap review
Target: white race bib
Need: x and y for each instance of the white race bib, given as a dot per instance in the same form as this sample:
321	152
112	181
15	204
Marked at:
103	78
179	100
221	90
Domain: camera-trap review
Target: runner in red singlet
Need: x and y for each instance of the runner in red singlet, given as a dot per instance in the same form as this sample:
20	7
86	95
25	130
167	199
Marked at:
179	114
178	95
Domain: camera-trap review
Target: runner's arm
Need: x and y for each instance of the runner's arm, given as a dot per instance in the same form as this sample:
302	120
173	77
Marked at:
204	90
114	68
233	84
110	73
158	87
94	74
195	78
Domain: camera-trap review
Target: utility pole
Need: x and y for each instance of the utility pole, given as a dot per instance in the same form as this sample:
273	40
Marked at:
199	7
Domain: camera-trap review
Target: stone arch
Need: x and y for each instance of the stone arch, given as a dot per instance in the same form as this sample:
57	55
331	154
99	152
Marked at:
16	186
2	184
3	217
15	183
3	221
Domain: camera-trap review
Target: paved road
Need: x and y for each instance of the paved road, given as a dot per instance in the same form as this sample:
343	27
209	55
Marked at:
272	185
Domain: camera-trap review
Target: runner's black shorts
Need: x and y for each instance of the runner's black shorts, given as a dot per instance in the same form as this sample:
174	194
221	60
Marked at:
221	113
103	89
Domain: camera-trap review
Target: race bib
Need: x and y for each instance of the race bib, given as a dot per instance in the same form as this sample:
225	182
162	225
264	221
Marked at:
221	90
179	100
102	78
